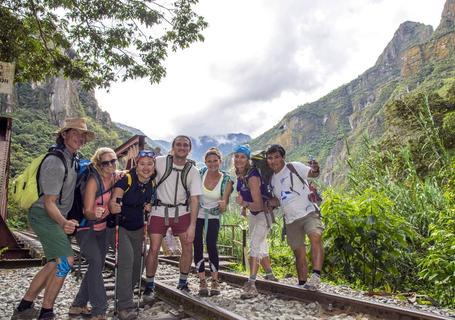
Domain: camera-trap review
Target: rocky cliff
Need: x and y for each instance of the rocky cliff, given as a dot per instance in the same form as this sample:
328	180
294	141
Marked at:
325	127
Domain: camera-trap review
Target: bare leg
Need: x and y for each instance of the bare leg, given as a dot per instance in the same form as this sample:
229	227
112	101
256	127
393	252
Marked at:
254	266
317	250
152	256
266	264
301	263
187	255
40	281
53	287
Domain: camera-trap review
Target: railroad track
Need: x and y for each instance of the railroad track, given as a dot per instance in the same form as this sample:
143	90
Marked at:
287	297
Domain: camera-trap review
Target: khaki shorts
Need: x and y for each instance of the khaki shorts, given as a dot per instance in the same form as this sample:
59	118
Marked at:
53	239
296	231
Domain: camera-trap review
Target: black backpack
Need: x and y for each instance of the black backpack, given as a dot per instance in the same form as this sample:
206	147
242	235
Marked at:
85	171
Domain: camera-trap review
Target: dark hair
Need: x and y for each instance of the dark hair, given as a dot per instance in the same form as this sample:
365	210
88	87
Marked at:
213	151
275	148
182	136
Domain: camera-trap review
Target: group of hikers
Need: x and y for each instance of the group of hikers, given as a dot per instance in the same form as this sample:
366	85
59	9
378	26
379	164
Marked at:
121	208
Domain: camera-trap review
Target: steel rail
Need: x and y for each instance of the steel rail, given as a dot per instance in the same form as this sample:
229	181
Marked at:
325	299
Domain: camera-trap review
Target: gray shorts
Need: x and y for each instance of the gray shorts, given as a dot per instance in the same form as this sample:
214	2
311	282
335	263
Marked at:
296	231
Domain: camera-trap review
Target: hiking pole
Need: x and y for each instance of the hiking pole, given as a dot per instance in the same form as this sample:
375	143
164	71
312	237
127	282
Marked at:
144	249
117	222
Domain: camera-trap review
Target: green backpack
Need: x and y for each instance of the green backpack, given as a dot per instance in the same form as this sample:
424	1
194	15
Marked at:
26	188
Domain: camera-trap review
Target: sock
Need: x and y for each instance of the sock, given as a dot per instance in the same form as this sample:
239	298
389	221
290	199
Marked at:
150	282
269	272
44	311
318	272
24	304
183	278
302	282
252	278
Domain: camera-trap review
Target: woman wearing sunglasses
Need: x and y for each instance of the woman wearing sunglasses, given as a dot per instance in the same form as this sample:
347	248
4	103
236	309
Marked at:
92	236
131	199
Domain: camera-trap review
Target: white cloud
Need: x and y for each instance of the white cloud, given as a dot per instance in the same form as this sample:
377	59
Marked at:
261	59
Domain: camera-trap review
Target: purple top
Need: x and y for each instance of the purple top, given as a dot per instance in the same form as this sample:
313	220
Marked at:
246	193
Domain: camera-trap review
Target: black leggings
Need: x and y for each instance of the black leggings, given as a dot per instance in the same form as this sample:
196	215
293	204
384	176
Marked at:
211	239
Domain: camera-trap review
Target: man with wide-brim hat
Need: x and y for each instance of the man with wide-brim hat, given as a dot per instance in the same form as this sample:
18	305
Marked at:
77	124
48	217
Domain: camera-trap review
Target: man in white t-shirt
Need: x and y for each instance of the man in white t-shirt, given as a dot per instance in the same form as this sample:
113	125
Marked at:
176	207
302	216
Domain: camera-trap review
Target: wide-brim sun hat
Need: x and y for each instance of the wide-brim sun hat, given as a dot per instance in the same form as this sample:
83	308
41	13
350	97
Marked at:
77	124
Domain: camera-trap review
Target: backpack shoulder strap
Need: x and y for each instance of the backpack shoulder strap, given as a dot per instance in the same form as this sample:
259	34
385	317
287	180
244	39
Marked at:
293	170
167	172
185	171
129	181
59	154
225	179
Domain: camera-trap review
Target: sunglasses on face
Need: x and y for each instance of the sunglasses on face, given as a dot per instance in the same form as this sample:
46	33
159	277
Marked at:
108	163
146	153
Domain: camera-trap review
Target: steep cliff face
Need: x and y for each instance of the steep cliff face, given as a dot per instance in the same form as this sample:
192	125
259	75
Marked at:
322	128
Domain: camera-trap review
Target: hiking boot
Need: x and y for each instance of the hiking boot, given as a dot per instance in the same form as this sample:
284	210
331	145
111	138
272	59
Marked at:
313	283
27	314
249	290
184	287
215	287
127	314
47	316
148	296
203	290
271	277
79	311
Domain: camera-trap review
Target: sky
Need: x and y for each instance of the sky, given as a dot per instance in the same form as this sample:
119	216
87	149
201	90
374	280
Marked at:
260	60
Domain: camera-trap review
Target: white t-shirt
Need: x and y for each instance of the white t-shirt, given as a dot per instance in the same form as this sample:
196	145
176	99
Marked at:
209	198
295	204
166	190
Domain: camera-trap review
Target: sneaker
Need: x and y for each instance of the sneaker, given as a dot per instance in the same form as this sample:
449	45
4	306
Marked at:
27	314
184	287
313	283
271	277
148	296
79	311
215	287
249	290
203	290
127	314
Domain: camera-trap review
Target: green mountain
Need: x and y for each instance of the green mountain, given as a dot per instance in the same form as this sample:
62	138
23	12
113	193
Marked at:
417	59
38	110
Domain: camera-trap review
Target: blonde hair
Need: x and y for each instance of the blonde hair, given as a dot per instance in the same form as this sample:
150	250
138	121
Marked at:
96	158
213	151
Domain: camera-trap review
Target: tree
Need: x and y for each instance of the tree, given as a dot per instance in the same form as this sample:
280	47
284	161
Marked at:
96	42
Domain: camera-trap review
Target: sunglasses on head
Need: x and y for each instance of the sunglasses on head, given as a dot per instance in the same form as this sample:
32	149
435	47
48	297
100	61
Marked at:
146	153
108	163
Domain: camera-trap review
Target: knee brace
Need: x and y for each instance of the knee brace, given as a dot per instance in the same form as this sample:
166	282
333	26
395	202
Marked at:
63	267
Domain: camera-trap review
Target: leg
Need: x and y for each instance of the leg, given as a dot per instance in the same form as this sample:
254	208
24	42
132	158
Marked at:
317	250
137	238
212	249
40	280
152	256
97	291
199	248
301	264
125	271
56	281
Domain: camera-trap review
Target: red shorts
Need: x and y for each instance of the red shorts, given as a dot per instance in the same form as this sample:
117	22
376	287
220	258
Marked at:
157	226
